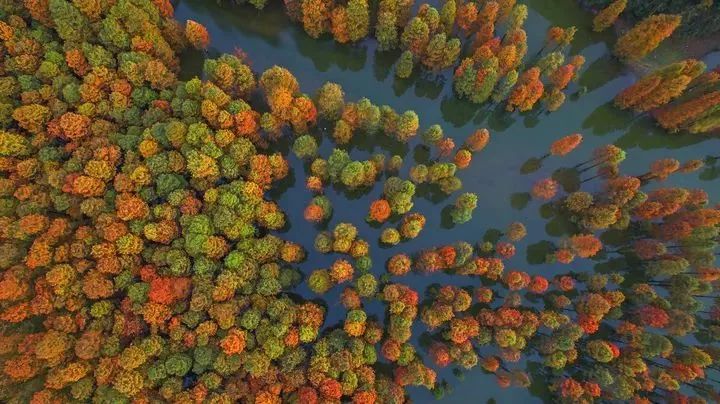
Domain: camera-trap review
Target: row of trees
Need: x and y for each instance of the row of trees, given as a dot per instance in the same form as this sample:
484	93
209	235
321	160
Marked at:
699	19
681	96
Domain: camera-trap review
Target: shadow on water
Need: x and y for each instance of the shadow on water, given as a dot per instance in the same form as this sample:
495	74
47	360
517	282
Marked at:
384	62
191	64
570	14
644	134
600	72
519	200
531	165
606	119
536	254
430	86
326	53
266	25
457	112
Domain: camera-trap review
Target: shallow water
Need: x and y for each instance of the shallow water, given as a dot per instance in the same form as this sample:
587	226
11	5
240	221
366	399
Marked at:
269	38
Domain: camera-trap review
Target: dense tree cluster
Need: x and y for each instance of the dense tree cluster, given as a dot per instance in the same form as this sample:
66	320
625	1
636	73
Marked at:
141	257
699	18
492	71
680	96
152	278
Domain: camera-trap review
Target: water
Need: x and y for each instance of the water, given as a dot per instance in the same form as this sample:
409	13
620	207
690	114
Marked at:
269	38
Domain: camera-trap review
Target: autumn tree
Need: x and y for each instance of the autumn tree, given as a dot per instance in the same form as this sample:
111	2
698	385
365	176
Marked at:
660	87
415	36
644	37
404	66
316	16
197	35
358	19
607	16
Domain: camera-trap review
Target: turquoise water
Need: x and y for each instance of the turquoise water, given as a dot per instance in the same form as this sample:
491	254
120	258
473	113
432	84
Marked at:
269	38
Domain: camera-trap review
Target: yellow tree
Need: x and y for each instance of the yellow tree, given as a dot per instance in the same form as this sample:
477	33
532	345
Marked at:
607	16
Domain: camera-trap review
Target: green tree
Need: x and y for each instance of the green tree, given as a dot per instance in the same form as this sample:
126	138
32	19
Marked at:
70	23
386	31
358	19
404	67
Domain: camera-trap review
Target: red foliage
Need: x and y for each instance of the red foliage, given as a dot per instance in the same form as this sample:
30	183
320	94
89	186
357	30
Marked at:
565	144
545	189
653	316
168	290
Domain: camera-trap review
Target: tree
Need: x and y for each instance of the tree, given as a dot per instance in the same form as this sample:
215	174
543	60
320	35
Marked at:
379	211
315	16
527	92
399	264
517	17
407	126
230	74
197	35
607	16
554	100
415	36
330	101
550	62
685	114
488	14
434	53
305	147
561	76
644	37
502	90
565	144
447	15
339	24
463	208
466	16
660	87
358	19
545	189
432	135
71	25
386	31
404	67
411	225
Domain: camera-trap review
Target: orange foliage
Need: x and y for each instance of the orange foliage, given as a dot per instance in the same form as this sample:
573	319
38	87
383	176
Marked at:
478	140
197	35
130	207
168	290
39	10
462	158
74	126
545	189
76	61
314	213
565	144
165	7
379	211
234	342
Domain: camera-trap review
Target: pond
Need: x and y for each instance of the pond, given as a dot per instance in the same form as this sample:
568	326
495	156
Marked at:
495	175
